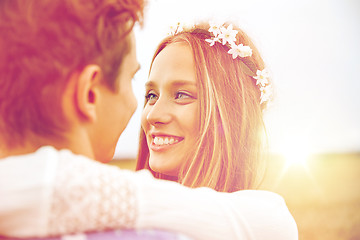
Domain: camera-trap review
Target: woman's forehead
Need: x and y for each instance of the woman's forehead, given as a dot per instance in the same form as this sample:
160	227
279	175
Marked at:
174	62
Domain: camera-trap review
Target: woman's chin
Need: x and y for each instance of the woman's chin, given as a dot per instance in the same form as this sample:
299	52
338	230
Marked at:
159	167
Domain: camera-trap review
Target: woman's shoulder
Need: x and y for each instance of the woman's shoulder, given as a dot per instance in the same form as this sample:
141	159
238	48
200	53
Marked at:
266	212
259	195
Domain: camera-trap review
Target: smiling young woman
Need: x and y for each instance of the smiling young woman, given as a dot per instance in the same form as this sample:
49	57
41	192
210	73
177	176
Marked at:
202	121
171	116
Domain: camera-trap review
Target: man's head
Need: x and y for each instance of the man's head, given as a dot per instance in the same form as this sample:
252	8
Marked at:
64	62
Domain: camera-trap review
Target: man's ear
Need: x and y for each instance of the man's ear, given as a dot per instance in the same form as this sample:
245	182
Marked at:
87	91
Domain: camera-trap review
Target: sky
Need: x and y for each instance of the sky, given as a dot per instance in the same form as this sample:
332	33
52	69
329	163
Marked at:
312	49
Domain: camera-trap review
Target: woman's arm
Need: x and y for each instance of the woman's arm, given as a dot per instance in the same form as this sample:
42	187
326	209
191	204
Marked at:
203	213
95	197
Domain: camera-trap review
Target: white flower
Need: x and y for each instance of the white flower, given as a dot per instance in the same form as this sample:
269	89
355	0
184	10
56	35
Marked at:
228	35
212	41
240	50
262	77
262	80
266	93
215	28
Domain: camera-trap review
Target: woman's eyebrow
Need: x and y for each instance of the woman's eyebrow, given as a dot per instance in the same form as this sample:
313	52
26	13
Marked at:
173	83
149	84
182	83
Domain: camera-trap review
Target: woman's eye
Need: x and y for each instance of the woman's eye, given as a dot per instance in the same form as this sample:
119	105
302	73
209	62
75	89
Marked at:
181	95
184	97
151	98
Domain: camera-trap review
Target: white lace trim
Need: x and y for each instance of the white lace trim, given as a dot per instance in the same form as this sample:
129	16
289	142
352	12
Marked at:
91	196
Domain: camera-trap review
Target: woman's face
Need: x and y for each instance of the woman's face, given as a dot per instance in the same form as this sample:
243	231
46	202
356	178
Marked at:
170	118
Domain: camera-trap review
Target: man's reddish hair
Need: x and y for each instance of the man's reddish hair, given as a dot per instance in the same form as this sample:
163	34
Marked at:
43	42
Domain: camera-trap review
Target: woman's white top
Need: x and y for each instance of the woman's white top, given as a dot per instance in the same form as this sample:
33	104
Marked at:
51	192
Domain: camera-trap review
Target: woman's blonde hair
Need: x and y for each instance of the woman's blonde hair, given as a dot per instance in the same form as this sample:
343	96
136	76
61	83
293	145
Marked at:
228	148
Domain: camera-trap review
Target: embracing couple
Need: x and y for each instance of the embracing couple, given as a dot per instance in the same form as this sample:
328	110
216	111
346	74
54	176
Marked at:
66	96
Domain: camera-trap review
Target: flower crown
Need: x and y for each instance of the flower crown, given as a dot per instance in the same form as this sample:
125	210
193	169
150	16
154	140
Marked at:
227	36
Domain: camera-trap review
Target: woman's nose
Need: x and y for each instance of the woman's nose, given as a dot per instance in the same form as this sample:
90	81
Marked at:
160	113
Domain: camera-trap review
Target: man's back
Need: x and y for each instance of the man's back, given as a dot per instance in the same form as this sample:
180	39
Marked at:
51	192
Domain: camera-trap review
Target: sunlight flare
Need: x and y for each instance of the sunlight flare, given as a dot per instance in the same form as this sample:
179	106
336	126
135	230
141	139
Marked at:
296	153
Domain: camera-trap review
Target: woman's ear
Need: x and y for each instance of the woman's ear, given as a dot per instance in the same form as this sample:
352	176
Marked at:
87	91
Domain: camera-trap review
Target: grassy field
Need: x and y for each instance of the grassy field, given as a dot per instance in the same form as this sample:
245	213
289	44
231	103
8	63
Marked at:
323	195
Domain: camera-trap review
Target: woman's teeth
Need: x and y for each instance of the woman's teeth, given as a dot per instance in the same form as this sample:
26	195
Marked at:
165	140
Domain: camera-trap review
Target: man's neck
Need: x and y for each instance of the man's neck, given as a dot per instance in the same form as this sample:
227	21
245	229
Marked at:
78	145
